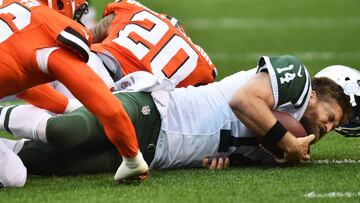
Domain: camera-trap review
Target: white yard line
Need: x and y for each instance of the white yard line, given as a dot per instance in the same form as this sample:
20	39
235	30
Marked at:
270	23
314	194
334	161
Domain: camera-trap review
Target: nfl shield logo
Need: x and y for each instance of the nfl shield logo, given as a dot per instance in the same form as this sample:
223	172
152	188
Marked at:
145	110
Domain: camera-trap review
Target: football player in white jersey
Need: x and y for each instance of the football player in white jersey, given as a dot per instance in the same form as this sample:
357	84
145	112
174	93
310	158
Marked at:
179	128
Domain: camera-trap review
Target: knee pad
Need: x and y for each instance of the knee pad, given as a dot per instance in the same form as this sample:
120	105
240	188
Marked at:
19	179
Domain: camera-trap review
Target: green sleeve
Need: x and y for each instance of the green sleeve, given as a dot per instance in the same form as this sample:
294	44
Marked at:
291	82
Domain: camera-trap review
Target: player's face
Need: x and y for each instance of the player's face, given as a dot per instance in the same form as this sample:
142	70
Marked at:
321	117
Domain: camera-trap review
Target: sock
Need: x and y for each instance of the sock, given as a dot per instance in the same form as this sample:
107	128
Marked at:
23	121
134	162
4	116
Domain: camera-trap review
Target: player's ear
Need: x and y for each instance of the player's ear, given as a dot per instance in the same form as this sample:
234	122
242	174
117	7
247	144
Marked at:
313	97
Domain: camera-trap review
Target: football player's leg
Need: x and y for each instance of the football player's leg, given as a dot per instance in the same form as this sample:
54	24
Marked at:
10	77
24	121
76	129
12	171
80	129
86	86
146	120
93	93
90	161
45	159
44	96
42	159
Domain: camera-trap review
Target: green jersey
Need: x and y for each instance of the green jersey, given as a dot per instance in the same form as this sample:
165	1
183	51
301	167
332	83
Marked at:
291	82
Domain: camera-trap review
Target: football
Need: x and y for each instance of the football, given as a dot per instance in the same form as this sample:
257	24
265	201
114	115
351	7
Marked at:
292	125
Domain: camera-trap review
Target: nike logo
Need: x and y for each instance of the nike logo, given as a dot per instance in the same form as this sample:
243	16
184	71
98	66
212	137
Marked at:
299	72
86	34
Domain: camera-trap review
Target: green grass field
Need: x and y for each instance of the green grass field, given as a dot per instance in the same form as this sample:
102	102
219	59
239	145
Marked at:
235	33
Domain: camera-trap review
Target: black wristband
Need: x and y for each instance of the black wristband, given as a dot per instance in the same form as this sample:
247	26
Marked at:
274	135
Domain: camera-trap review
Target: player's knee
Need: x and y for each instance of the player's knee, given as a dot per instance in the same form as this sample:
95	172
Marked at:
68	131
13	172
19	179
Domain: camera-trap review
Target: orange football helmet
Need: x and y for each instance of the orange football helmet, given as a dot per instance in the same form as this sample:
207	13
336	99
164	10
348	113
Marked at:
71	8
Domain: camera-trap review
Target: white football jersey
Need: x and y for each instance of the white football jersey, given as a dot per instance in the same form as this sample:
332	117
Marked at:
195	118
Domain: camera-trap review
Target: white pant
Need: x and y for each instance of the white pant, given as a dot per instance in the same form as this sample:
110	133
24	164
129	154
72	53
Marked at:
12	171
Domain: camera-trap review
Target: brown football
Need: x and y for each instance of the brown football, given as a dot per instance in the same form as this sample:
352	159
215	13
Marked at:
292	125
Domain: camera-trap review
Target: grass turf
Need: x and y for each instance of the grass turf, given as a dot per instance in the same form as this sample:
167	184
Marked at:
235	34
247	184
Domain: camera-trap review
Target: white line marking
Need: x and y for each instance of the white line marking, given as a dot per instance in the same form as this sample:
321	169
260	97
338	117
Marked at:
313	194
334	161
